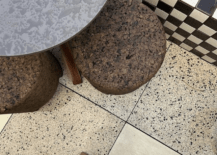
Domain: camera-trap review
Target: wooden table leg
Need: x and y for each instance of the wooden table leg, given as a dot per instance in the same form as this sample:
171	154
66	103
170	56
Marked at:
69	60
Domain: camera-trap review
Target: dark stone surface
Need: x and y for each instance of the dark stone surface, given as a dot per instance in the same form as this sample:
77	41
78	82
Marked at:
27	82
122	48
207	6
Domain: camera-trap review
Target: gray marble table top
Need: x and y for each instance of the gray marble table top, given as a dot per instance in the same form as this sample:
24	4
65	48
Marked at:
29	26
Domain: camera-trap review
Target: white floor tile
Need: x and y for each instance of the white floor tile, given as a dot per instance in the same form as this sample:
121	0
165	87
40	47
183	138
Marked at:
3	120
185	46
215	14
191	2
202	50
170	26
179	15
215	52
134	142
198	15
153	2
212	42
169	2
167	35
210	60
178	107
67	125
187	27
178	36
207	30
195	39
161	13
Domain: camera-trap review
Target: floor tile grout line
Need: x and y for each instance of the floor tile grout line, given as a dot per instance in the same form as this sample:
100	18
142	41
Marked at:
144	89
135	107
169	46
125	122
191	53
137	101
153	138
103	109
6	124
117	137
92	102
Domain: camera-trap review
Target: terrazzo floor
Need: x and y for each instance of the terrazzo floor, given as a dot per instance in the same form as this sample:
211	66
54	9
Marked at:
174	113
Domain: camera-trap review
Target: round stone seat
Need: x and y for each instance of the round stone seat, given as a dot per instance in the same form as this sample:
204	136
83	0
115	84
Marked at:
27	82
122	49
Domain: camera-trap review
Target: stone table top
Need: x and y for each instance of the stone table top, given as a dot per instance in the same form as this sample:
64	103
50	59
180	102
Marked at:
29	26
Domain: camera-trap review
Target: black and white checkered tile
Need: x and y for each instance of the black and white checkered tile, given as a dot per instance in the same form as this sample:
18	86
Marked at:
188	26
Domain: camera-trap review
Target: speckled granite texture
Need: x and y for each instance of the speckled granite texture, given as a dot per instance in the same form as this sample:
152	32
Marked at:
36	25
120	105
194	72
122	48
178	113
27	82
67	125
179	106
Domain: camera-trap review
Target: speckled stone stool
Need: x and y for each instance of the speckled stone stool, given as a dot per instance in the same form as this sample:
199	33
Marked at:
122	48
27	82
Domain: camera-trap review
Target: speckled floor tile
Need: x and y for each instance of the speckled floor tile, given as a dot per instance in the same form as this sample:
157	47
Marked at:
134	142
120	105
194	71
176	111
67	125
3	120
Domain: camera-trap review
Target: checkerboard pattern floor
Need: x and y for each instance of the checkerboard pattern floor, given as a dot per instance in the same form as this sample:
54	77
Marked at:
188	26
